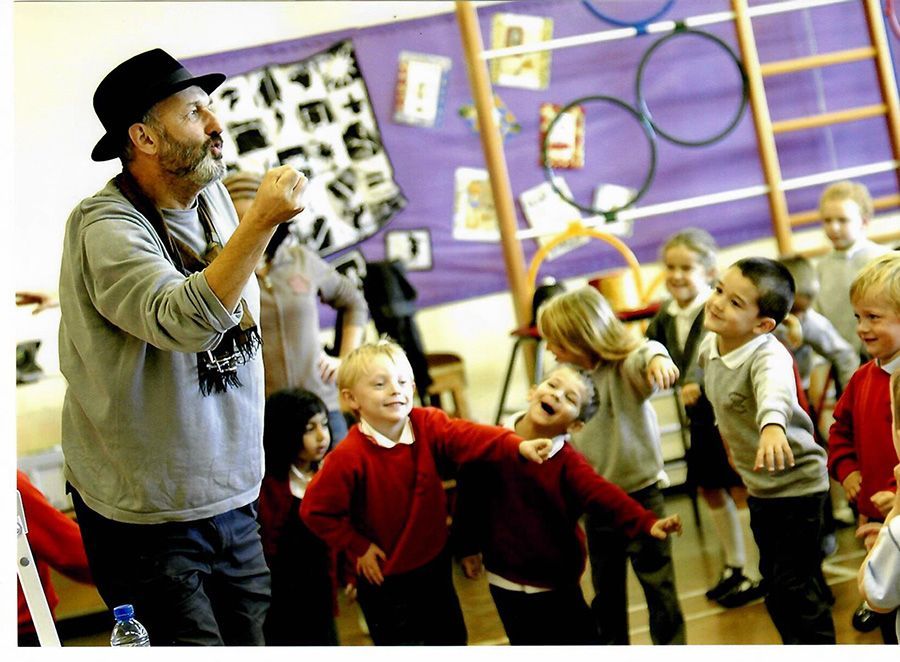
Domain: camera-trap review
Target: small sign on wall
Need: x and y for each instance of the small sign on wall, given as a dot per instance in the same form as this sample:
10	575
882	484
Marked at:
411	247
474	216
565	148
421	88
530	71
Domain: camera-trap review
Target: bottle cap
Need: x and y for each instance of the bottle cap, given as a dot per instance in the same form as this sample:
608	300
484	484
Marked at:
123	612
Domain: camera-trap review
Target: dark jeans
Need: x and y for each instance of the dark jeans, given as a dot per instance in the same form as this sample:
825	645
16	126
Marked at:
651	560
549	618
203	582
788	533
419	607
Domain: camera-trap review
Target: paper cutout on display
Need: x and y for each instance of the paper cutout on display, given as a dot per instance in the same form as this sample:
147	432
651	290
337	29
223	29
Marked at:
565	149
503	116
530	71
474	216
613	196
545	210
411	247
421	88
315	115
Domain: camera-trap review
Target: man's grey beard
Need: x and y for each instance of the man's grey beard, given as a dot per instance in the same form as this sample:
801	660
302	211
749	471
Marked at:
192	162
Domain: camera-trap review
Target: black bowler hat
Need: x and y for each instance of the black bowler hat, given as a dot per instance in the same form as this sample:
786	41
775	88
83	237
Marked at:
132	88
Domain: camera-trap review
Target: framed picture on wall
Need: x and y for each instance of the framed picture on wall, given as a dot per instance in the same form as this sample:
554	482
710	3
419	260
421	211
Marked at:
411	247
421	88
530	71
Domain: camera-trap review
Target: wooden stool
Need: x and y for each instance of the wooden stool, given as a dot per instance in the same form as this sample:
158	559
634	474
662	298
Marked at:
448	376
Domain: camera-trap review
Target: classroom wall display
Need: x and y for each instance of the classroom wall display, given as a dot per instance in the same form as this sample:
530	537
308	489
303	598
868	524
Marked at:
474	216
314	114
565	149
689	84
545	210
531	71
410	247
421	87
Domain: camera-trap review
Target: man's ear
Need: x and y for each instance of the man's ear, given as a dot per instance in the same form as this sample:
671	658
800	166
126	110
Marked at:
764	325
575	426
143	138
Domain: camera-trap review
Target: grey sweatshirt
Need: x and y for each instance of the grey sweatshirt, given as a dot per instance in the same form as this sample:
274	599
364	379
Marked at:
141	443
749	388
836	272
621	440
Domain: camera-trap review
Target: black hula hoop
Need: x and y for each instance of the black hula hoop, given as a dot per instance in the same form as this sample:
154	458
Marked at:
639	25
642	102
651	139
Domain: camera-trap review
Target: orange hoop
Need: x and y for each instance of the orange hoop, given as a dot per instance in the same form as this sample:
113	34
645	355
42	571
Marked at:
576	229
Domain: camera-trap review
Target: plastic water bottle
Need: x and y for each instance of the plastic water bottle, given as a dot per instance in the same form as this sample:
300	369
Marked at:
128	631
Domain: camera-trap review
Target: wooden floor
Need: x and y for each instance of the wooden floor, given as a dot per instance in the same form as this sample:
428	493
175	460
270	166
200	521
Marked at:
697	565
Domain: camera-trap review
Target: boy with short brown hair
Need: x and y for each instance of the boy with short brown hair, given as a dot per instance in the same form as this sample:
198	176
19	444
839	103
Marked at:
379	496
749	380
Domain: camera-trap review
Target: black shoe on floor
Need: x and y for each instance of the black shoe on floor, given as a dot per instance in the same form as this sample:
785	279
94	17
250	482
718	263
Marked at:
864	619
747	591
730	578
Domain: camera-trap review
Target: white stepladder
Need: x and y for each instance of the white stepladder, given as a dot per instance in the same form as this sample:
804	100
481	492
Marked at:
31	582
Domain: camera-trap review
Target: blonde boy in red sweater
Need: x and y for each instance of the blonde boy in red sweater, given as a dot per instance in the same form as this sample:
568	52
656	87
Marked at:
379	496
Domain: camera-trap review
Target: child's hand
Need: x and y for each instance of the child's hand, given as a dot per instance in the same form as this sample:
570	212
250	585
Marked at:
350	592
883	500
472	566
852	484
662	372
690	393
663	527
536	450
367	565
774	450
869	533
328	367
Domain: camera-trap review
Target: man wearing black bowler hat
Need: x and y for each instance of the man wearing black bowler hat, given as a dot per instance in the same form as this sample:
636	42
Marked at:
162	420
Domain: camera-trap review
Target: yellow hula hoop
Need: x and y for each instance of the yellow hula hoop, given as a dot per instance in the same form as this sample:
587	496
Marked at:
576	229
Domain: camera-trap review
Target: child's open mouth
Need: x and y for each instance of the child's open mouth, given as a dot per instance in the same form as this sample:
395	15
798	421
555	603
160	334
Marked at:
547	408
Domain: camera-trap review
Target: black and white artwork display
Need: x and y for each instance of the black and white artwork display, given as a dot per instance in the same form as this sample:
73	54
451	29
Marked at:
351	264
411	247
315	115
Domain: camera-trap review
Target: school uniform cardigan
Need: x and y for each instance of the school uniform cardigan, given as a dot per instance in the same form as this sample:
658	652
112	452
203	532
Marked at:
524	518
393	497
860	437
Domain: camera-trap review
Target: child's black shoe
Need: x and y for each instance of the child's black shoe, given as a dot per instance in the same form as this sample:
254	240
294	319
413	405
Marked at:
730	578
747	591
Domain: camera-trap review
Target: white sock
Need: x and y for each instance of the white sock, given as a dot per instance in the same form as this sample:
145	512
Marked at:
751	567
728	528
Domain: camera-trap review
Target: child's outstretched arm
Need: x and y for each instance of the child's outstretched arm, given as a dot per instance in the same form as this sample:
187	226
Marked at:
535	450
662	528
774	450
662	372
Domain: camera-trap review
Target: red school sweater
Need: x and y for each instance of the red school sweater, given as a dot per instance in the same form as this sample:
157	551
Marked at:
393	497
524	518
860	437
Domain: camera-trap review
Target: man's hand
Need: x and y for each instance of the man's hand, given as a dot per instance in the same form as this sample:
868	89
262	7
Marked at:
350	592
536	450
279	196
328	366
851	485
472	566
42	299
668	525
367	565
883	500
774	450
662	372
794	330
690	393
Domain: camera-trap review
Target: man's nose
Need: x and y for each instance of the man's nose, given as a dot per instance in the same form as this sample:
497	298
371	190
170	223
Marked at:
212	123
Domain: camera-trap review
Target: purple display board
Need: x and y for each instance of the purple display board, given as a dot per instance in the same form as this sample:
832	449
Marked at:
690	86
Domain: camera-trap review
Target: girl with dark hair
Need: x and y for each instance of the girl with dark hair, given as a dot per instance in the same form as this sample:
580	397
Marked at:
304	597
